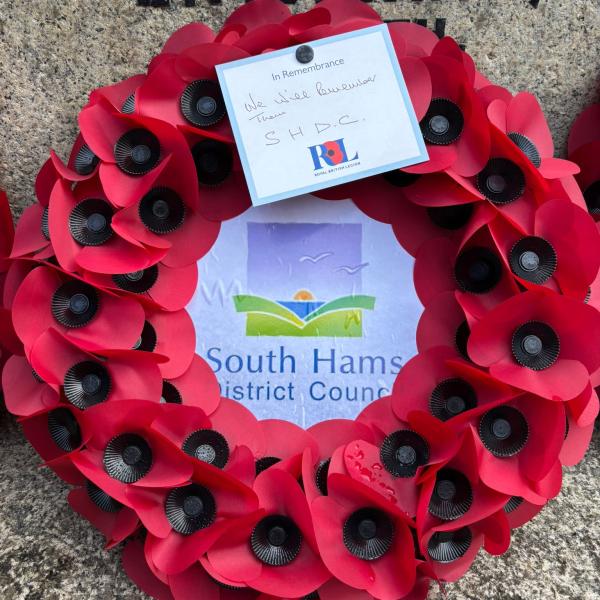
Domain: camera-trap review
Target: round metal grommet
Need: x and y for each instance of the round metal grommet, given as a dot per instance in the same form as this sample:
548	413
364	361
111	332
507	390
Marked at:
477	270
403	452
137	152
213	161
451	218
533	259
321	475
503	431
527	147
276	540
452	495
128	106
368	533
89	222
304	54
501	181
535	345
162	211
85	161
137	282
101	499
148	339
461	339
448	546
209	446
64	429
451	398
265	462
127	458
190	508
87	383
513	504
74	304
202	103
443	123
44	227
591	196
170	394
399	178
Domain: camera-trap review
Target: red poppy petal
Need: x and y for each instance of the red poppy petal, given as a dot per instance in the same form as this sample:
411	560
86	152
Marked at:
586	128
134	564
525	116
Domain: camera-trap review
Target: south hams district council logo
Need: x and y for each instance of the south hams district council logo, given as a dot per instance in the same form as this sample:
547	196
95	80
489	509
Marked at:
305	279
330	154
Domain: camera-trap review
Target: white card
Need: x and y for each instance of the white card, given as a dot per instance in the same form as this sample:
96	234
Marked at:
301	127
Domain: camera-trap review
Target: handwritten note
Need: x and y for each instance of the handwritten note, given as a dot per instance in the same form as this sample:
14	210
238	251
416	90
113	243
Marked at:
301	127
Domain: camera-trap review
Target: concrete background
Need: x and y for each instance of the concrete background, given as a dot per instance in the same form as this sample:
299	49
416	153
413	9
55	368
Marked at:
52	53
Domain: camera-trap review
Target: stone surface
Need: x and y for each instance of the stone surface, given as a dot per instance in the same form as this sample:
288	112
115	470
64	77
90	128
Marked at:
53	53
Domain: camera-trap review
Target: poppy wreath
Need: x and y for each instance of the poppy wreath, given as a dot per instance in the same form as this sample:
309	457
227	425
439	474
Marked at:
213	503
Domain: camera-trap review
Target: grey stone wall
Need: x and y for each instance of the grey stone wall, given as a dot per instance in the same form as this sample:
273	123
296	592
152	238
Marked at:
53	52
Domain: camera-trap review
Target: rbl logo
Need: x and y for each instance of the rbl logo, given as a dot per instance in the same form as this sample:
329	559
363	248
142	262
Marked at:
330	154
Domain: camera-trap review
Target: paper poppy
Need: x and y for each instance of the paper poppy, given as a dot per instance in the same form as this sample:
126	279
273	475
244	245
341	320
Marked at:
275	551
527	343
49	298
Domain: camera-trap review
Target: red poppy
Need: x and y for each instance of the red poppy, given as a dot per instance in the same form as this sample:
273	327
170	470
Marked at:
285	444
229	438
139	571
450	551
82	234
184	522
551	255
157	286
328	436
25	393
276	551
184	89
454	493
185	585
518	445
87	378
455	126
122	95
114	520
444	323
222	185
438	207
167	221
521	118
122	450
197	386
509	181
133	150
364	540
437	381
584	147
392	464
187	36
56	435
475	270
32	237
256	28
48	298
527	343
170	334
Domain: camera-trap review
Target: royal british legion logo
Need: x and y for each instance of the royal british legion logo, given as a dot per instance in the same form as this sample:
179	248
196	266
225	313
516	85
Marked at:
330	154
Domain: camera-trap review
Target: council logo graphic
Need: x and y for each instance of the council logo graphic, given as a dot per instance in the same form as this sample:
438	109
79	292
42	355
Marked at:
330	154
304	280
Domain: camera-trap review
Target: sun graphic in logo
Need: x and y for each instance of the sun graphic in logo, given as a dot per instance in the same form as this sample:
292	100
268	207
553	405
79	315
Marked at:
303	295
